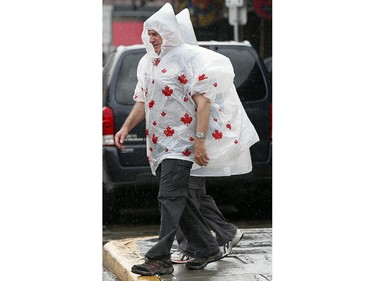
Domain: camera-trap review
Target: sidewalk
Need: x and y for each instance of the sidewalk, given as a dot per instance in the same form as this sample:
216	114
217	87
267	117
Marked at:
250	260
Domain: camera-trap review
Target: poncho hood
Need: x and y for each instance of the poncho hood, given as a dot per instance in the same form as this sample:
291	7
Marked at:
186	27
165	23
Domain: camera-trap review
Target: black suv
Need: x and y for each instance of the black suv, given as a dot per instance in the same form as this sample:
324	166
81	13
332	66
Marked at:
127	174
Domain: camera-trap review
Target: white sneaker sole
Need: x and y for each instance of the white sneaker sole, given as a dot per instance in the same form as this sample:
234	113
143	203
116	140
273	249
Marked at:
182	260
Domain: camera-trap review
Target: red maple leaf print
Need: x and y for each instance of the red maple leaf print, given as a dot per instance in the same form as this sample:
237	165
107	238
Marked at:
154	139
163	114
202	77
191	139
164	70
235	141
215	84
154	123
185	99
167	91
150	148
229	126
217	135
153	81
186	152
149	158
187	119
136	96
166	150
146	132
168	131
182	79
151	104
156	62
215	119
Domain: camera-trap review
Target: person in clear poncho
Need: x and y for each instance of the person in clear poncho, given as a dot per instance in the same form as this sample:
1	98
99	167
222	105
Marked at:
180	92
227	234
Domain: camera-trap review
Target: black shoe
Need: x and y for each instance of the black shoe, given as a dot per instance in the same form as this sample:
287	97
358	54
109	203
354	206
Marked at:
200	263
153	267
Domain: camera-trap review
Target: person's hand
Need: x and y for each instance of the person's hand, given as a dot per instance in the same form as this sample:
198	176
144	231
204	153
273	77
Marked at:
120	138
200	152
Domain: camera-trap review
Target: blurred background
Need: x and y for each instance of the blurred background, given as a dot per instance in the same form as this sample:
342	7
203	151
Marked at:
237	20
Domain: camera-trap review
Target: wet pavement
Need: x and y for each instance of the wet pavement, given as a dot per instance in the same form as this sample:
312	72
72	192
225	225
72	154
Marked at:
250	260
108	276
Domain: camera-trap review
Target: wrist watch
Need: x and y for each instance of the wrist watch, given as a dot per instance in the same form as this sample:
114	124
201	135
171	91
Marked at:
200	135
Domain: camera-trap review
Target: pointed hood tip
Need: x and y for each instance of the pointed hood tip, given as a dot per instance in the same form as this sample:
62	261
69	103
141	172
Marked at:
186	27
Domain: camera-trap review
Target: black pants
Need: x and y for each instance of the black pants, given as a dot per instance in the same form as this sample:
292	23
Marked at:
223	230
177	209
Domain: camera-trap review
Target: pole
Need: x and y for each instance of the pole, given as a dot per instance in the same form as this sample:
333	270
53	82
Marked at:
236	32
235	27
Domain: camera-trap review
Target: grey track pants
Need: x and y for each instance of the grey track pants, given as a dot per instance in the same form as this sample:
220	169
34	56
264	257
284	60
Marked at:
223	230
178	210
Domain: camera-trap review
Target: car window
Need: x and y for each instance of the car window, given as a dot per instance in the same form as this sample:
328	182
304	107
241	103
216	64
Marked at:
248	78
128	77
105	77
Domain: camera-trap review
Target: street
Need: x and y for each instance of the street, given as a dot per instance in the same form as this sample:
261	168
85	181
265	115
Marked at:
108	276
250	259
147	224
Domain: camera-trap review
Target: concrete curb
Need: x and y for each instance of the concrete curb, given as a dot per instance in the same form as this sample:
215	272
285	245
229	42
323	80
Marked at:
120	255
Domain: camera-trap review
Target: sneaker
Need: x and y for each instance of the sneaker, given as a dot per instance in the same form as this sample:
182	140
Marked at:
226	249
200	263
178	257
153	267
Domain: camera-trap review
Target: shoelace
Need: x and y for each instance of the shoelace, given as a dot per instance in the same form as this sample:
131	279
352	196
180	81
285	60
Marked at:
185	258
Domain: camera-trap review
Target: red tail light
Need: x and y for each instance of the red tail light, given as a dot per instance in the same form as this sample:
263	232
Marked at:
108	126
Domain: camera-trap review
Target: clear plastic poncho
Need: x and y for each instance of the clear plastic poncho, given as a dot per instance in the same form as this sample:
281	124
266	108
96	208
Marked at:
166	84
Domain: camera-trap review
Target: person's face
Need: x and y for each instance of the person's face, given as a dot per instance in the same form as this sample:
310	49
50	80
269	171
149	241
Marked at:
155	40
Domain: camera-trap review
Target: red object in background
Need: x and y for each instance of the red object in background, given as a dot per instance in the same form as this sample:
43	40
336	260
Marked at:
108	126
126	32
263	8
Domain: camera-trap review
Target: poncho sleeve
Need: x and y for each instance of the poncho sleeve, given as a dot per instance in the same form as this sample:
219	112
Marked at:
140	90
